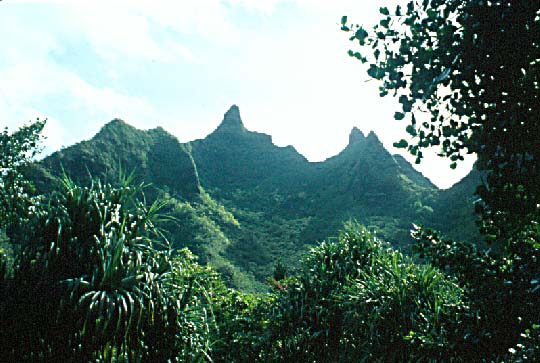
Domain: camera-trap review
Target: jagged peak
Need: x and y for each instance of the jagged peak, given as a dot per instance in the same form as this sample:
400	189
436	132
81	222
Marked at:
356	136
160	131
232	121
372	136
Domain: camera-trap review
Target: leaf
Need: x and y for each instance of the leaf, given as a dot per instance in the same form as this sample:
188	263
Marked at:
407	104
361	35
375	72
384	11
410	7
344	20
411	130
401	144
359	56
399	116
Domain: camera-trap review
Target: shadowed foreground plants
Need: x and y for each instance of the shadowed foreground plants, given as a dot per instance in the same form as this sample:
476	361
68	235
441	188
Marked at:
503	285
95	281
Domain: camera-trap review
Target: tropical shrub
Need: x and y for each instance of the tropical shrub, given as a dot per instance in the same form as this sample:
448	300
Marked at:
358	300
95	281
17	150
242	327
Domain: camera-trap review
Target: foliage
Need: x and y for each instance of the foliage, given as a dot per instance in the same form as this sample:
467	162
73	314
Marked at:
205	227
503	285
242	327
17	150
528	348
466	75
89	284
358	300
472	67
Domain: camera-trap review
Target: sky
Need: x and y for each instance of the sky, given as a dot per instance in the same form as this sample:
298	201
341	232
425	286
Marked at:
180	64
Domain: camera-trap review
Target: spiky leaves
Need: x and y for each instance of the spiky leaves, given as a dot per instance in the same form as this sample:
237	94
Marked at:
94	283
357	300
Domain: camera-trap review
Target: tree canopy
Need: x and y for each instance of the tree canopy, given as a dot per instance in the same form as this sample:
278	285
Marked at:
466	73
17	150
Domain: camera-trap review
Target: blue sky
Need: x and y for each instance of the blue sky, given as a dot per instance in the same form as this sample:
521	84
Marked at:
181	64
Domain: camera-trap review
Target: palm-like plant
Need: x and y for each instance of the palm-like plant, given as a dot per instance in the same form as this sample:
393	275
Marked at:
90	278
358	300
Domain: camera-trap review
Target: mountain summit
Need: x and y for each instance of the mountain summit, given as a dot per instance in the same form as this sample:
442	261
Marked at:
232	121
356	136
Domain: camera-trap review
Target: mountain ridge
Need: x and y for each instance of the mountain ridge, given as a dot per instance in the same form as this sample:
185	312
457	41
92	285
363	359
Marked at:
243	202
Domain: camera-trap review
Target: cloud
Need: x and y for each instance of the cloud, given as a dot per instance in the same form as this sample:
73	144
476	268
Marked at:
81	63
64	96
33	80
56	136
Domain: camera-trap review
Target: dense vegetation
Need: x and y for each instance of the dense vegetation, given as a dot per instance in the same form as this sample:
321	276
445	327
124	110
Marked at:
94	279
467	76
91	270
241	203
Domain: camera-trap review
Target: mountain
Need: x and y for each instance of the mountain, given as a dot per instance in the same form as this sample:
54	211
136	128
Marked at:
155	156
365	182
455	209
232	158
242	203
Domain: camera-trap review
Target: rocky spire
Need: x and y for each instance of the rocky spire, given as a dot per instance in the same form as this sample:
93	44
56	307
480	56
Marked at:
355	136
373	138
232	121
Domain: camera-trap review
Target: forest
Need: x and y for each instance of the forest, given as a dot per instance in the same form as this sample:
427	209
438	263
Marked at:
133	247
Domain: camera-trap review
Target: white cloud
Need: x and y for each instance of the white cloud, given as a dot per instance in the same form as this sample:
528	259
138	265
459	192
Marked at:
31	86
293	81
57	136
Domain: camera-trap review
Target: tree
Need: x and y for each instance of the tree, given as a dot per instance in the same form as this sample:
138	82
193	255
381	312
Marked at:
467	76
503	292
17	150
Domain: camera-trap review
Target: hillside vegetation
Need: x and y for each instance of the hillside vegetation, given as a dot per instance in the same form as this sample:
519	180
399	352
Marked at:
97	241
242	204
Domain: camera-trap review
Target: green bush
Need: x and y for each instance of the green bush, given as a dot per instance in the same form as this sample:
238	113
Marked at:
95	281
357	300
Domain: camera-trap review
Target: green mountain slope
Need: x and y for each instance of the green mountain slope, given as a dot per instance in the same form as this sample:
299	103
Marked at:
454	209
365	182
155	156
233	158
242	203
